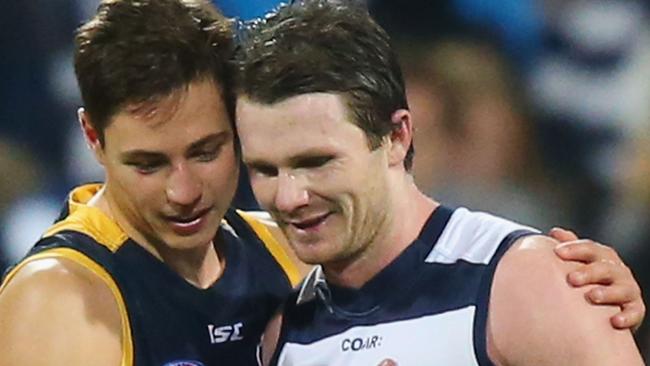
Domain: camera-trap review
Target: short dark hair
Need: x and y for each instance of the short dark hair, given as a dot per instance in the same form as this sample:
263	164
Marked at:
314	46
135	51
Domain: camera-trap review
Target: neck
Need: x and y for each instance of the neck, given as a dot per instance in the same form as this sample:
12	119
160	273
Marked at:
407	214
200	265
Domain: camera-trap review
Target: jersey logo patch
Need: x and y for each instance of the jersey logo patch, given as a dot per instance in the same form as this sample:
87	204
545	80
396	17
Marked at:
225	333
184	363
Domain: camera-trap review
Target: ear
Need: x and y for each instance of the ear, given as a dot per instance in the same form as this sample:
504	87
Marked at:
401	137
91	135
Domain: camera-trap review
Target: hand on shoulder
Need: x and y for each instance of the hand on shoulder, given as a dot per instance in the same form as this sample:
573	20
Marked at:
536	317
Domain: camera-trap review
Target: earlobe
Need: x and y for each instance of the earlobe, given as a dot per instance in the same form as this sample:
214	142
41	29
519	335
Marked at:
401	137
90	134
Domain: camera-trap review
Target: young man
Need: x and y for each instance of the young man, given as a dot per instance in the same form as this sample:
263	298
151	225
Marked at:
153	267
326	133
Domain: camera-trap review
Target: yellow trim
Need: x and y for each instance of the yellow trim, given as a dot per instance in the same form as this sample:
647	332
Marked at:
84	261
89	220
274	247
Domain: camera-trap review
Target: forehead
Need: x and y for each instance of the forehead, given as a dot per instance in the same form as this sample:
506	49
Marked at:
307	121
184	115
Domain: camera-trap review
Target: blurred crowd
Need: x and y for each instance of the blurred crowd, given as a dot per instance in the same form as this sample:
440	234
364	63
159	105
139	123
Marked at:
537	110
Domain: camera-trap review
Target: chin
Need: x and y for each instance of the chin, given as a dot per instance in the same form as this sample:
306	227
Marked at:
189	242
310	254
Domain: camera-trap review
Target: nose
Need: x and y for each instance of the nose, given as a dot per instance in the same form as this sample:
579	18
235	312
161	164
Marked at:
291	192
183	187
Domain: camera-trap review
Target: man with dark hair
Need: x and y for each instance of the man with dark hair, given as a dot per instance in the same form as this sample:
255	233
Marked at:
326	134
152	267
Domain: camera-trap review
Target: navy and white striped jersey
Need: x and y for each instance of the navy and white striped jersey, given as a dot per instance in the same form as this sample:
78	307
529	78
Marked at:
428	307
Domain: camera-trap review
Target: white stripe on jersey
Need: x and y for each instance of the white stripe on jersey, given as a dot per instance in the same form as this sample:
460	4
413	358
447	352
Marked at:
472	236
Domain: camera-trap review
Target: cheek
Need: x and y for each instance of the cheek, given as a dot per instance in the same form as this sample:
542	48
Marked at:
222	174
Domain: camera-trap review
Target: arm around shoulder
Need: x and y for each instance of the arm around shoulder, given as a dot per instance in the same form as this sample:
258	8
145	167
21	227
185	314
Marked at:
55	312
537	318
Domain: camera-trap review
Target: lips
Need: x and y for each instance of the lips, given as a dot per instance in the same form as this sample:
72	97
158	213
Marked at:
311	223
188	225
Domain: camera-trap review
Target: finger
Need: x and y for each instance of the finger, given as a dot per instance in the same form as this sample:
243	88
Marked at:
603	272
612	295
562	235
586	251
630	317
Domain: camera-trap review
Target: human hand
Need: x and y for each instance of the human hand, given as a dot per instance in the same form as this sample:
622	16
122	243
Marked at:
602	267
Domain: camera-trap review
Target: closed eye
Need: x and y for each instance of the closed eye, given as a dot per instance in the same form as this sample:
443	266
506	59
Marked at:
313	161
262	169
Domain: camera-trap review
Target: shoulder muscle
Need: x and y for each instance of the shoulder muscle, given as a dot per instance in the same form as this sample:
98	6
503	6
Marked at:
536	317
56	312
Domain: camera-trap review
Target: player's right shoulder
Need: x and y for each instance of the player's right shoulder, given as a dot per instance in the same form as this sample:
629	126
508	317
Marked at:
57	311
277	244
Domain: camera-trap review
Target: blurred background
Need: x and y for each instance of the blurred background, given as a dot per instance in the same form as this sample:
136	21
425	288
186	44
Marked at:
536	110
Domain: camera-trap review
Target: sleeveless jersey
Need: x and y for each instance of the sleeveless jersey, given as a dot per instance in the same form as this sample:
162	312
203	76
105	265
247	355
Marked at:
427	307
165	320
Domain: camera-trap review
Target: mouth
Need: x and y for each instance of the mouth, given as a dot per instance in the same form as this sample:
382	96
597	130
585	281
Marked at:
309	224
188	225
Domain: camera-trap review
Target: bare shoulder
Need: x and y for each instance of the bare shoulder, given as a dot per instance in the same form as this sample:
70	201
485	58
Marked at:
536	317
62	310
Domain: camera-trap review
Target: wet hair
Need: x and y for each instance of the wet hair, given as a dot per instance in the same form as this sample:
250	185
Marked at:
138	51
313	46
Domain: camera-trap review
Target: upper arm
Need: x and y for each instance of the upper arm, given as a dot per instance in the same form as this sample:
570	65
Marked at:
53	312
270	338
536	317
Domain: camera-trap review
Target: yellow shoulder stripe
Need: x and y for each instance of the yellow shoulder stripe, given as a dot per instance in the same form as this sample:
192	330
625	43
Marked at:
83	260
274	247
92	222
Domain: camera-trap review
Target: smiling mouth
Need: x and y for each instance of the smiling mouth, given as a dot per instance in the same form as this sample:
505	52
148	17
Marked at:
310	223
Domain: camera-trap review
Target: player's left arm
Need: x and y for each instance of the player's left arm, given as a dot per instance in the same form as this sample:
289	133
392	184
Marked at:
615	283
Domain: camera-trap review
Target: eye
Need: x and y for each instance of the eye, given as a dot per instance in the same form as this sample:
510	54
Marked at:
146	168
314	161
264	170
207	155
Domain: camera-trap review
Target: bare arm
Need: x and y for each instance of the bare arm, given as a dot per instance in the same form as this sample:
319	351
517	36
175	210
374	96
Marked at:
536	318
55	312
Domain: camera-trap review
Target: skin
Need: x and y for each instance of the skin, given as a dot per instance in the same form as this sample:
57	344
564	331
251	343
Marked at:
326	189
52	304
551	325
323	183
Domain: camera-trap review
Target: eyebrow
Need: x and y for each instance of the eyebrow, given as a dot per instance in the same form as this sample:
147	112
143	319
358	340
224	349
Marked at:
218	137
148	154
